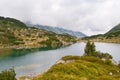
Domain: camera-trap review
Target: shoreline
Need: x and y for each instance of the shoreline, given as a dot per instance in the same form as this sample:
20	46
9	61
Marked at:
100	41
10	51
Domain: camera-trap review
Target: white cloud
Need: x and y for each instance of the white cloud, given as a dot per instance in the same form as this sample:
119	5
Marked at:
88	16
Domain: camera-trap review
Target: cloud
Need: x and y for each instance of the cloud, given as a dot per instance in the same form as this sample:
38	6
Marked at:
88	16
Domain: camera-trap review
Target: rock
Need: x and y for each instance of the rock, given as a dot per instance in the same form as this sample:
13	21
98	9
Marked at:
111	73
64	62
103	59
113	62
68	61
60	62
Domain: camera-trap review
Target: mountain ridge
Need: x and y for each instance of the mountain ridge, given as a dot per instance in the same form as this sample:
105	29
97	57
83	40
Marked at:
58	30
114	29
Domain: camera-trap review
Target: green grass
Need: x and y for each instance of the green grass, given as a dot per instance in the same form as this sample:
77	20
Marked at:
82	68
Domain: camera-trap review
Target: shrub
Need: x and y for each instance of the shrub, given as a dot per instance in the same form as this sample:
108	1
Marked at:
102	55
8	74
108	62
70	57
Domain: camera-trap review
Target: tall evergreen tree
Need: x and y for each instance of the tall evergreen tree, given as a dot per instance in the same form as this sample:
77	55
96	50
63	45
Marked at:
87	51
93	49
90	49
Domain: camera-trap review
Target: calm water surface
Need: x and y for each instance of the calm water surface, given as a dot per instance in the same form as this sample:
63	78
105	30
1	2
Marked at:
41	61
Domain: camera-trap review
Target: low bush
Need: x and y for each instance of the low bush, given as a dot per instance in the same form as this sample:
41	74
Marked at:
8	74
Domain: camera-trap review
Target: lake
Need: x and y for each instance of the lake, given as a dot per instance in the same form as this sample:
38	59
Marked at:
41	61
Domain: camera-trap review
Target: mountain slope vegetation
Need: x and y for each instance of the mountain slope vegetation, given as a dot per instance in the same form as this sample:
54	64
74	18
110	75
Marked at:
10	22
111	36
114	29
14	34
114	32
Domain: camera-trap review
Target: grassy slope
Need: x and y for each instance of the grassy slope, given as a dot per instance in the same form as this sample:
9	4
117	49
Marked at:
82	68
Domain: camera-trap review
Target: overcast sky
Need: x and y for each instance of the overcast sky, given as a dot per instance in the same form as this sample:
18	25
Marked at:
88	16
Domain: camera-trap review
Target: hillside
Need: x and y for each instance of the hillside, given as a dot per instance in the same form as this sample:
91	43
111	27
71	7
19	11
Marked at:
111	36
10	22
115	29
61	30
16	35
81	68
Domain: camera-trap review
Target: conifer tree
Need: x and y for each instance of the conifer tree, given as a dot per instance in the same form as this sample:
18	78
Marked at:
90	49
87	51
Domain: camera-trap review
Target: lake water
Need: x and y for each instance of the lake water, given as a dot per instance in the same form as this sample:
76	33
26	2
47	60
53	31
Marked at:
41	61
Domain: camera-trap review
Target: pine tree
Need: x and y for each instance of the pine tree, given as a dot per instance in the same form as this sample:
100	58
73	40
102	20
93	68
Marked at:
87	51
90	49
93	50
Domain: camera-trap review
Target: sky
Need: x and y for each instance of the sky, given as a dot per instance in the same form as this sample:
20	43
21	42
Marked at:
88	16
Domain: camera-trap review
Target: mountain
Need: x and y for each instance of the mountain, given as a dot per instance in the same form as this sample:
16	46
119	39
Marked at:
115	31
60	30
15	34
112	35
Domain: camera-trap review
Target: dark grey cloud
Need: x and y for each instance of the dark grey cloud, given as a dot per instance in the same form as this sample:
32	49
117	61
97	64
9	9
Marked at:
88	16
